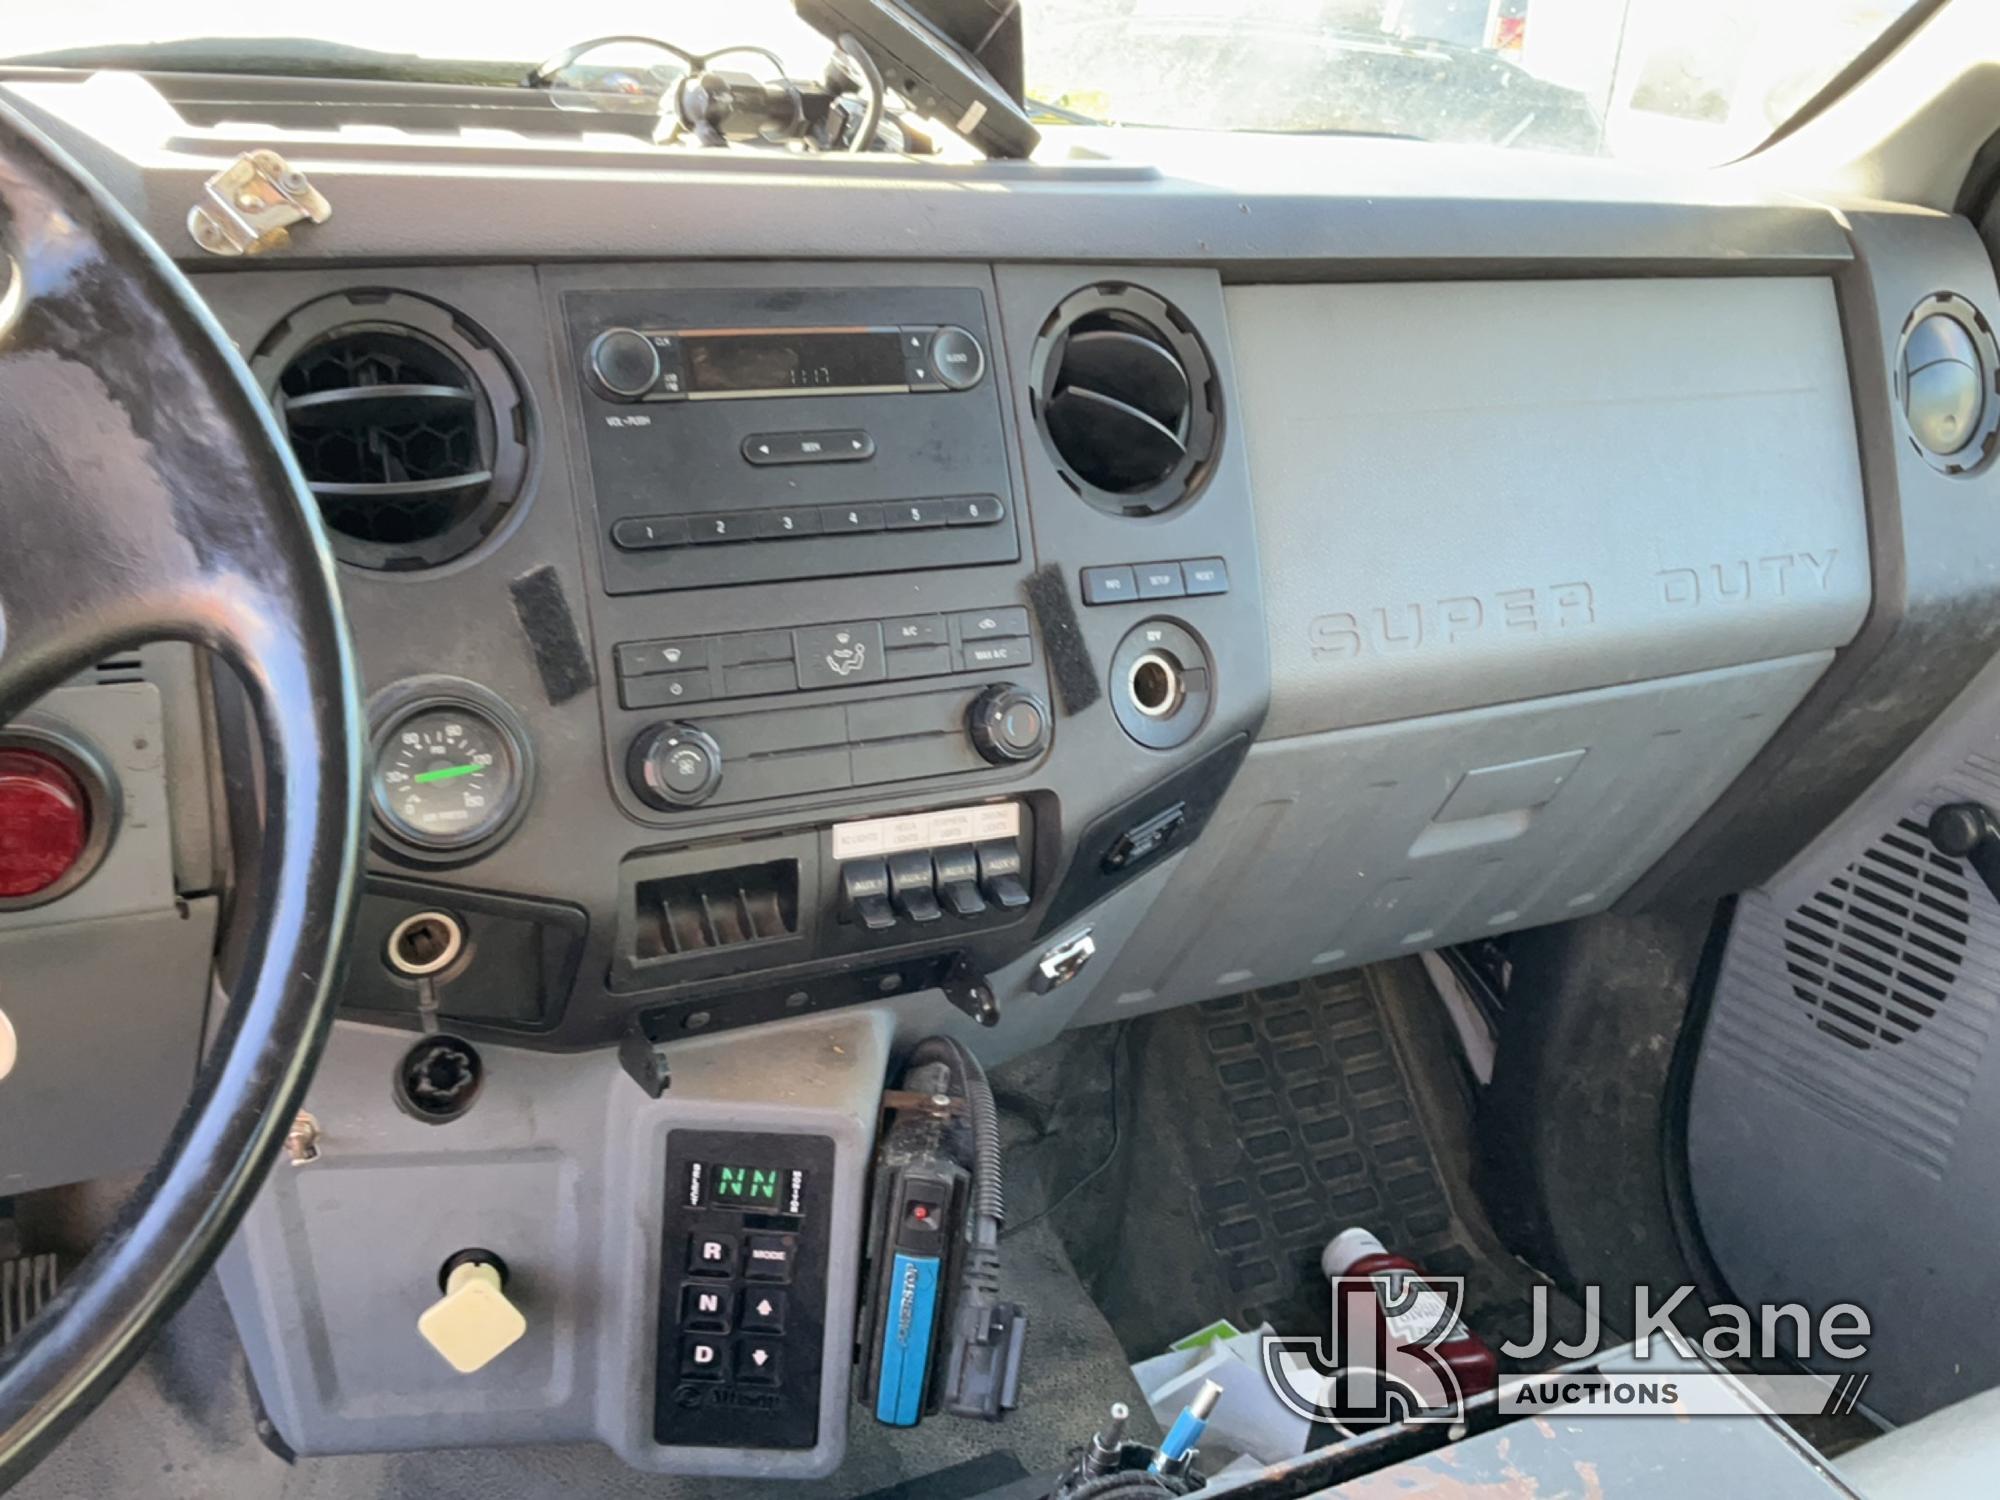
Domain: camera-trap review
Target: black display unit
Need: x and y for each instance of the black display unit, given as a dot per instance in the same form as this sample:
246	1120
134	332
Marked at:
743	1273
741	437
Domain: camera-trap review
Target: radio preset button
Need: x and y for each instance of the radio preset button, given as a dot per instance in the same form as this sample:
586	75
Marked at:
643	533
784	523
957	358
915	515
839	655
740	526
975	510
851	518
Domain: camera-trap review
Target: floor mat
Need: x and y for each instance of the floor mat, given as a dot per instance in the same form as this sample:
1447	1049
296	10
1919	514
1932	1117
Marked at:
1251	1130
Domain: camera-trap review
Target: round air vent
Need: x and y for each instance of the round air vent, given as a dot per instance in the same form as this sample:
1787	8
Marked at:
406	421
1946	371
1125	399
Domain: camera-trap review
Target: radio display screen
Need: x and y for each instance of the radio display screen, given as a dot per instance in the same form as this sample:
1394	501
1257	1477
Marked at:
785	360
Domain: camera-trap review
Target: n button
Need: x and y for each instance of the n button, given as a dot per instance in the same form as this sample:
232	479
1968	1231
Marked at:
705	1309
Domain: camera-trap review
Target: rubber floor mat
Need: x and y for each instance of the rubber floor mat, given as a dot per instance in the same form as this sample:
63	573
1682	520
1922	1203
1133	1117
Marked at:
1326	1137
1254	1128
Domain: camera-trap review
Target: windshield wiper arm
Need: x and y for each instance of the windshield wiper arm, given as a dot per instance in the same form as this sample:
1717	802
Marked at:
1058	112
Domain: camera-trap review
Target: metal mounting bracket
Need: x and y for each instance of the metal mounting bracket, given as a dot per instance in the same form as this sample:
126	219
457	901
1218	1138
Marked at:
247	207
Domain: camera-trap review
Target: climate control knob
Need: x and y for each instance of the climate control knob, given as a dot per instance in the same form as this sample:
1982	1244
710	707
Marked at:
1008	723
674	765
624	363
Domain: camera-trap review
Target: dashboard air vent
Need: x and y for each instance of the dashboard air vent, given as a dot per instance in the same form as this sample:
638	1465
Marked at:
1125	398
407	424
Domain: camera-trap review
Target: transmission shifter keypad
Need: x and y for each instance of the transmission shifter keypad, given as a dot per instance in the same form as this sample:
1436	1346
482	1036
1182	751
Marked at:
742	1332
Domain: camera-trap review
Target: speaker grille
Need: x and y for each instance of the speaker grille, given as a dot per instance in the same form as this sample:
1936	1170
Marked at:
1874	953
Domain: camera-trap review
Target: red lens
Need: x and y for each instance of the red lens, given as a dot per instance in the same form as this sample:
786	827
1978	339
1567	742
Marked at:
44	822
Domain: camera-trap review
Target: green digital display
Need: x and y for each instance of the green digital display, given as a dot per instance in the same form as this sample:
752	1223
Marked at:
744	1187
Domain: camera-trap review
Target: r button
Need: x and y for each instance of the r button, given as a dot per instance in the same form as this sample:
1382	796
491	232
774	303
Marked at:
712	1254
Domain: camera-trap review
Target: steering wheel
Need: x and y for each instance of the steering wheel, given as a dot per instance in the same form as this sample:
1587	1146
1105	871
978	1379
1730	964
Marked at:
147	494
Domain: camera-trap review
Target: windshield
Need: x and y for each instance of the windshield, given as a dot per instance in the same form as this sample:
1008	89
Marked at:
1688	80
1675	80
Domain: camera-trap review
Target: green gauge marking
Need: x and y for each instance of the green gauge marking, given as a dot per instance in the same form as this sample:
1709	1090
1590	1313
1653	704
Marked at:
445	773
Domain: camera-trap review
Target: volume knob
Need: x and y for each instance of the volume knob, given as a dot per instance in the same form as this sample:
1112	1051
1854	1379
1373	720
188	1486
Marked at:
1008	723
624	363
674	765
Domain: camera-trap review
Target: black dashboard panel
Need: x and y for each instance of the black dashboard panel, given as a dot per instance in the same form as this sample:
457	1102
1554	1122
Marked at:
574	240
743	702
792	432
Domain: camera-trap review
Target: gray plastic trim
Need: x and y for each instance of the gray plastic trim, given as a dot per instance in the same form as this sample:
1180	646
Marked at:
1415	835
1827	1171
1472	493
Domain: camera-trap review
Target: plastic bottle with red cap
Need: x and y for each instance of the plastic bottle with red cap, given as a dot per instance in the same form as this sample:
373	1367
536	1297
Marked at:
1356	1252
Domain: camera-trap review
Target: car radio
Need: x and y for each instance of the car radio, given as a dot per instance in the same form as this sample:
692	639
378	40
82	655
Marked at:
744	436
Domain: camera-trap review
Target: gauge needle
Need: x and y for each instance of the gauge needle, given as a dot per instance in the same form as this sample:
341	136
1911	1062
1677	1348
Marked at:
445	773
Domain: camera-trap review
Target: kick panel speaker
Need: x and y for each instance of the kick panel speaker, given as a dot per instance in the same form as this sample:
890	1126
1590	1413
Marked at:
1875	952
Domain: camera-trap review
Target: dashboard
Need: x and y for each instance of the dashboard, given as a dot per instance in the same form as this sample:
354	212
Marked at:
902	598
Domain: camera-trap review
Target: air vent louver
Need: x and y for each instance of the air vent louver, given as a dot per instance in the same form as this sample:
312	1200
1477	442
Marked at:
406	423
1875	952
1125	399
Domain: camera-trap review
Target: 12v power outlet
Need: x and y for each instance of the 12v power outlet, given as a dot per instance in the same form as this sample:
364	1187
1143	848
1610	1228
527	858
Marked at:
44	823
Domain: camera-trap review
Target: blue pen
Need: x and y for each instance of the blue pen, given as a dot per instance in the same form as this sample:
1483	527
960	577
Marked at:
1187	1429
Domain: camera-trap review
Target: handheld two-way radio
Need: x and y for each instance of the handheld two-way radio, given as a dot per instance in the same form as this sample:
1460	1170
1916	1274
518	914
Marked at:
935	1335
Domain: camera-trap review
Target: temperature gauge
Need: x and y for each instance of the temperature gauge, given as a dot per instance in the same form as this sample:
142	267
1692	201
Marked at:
450	772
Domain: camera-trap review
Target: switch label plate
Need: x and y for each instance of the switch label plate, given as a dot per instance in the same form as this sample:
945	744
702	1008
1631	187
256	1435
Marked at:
952	825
